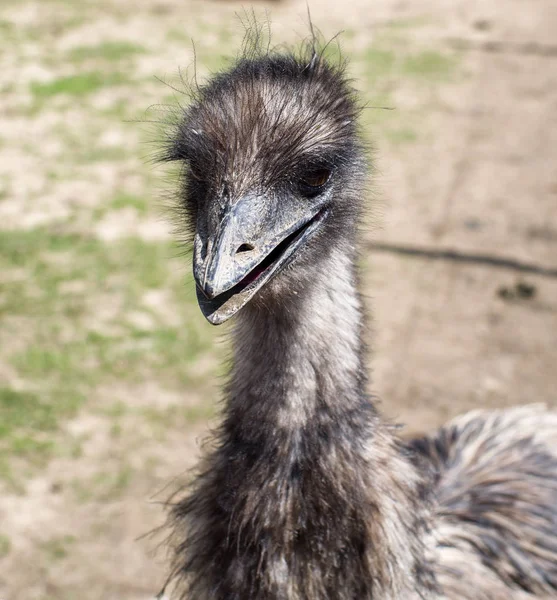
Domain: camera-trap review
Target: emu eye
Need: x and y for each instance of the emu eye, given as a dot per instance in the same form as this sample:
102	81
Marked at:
312	181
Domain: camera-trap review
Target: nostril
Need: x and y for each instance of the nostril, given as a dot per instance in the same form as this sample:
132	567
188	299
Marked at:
244	248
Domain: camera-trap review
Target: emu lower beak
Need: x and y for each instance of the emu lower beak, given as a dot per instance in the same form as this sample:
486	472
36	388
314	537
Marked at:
251	245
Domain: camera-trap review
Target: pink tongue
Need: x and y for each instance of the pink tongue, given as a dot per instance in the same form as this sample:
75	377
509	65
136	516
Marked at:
253	275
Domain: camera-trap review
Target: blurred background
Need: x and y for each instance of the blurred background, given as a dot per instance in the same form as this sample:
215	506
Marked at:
108	372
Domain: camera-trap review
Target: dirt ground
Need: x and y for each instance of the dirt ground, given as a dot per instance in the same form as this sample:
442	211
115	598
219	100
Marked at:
467	161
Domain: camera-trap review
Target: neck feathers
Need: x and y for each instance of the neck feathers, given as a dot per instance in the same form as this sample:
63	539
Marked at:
297	362
307	494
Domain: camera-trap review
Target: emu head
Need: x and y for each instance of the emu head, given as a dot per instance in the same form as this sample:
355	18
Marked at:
272	180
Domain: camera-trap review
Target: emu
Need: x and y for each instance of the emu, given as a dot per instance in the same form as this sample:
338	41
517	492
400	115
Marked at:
307	494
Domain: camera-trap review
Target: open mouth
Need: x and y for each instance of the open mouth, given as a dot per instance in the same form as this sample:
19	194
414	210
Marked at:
222	307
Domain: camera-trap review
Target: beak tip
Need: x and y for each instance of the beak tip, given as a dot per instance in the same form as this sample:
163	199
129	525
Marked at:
215	311
206	305
204	288
205	293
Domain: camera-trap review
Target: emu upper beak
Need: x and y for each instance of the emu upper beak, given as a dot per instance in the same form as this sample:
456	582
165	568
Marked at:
252	243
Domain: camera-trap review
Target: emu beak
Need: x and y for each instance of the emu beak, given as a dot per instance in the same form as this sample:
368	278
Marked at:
252	243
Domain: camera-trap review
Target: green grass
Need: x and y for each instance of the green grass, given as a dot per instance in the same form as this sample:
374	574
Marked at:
389	65
25	411
380	62
429	64
162	419
40	362
129	356
69	352
27	422
383	63
5	545
58	548
11	34
20	248
124	200
401	135
54	259
103	486
107	51
6	27
78	85
178	35
409	23
82	147
88	154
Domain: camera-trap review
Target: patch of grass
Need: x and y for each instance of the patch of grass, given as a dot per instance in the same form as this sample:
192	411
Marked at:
9	32
125	200
26	426
28	447
382	62
19	248
7	474
104	485
408	23
115	430
210	56
389	65
378	114
120	110
78	85
39	362
52	259
93	153
171	341
348	34
148	261
58	548
96	357
162	419
7	88
215	62
5	545
24	410
115	410
401	135
108	51
429	64
82	146
6	26
379	62
60	284
225	36
178	35
115	483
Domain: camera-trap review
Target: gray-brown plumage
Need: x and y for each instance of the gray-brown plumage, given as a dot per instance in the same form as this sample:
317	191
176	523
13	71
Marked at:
307	494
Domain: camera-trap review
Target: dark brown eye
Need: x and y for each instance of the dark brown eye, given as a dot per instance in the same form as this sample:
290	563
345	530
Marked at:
316	179
312	181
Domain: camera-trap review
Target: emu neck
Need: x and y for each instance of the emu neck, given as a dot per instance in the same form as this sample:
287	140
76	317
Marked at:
306	495
302	361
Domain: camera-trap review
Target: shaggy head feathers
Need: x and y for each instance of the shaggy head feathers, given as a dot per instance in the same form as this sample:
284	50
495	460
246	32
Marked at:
262	125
